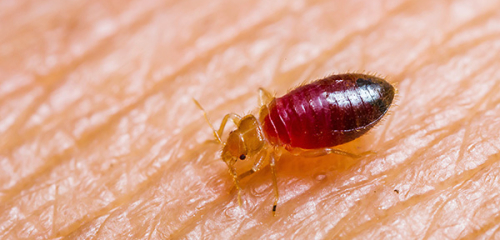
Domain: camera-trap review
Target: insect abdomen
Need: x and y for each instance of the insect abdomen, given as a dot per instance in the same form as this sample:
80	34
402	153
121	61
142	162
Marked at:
327	112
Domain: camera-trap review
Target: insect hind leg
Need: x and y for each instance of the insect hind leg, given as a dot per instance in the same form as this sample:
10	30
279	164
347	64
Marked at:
265	97
326	151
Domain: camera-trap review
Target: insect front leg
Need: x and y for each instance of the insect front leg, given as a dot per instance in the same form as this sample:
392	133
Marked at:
218	133
232	171
273	157
233	116
259	161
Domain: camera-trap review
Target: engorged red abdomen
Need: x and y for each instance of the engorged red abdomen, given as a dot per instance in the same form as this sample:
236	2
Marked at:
327	112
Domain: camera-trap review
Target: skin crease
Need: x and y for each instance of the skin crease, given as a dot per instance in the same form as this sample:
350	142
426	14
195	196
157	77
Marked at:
99	137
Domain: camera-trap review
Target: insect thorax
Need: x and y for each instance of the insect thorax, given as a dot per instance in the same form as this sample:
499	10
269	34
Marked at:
246	140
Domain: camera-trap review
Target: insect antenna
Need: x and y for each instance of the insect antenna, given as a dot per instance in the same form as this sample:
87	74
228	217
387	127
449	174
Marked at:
216	134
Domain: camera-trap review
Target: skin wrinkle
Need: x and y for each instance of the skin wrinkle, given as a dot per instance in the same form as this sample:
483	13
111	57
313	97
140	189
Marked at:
397	170
205	216
447	183
392	143
20	27
415	66
56	74
56	79
31	215
59	158
44	206
482	230
429	231
422	59
153	178
156	88
102	225
440	207
343	222
428	123
336	47
203	213
54	212
494	223
112	205
156	221
350	37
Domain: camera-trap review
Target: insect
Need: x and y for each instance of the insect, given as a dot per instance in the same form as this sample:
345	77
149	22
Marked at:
307	121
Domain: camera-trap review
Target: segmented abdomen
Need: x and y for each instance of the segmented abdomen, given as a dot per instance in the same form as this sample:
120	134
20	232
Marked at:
327	112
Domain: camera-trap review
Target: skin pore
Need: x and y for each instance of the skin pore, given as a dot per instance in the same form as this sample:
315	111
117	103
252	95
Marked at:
100	137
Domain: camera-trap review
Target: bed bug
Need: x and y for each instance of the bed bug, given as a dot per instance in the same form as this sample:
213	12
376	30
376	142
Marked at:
307	121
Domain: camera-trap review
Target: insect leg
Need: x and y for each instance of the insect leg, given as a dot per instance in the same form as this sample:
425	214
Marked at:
260	157
272	163
232	171
218	133
326	151
265	97
233	116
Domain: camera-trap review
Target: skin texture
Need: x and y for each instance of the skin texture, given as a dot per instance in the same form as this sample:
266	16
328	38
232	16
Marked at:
99	137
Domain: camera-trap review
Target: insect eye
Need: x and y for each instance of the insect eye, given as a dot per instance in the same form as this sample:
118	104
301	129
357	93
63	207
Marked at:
242	157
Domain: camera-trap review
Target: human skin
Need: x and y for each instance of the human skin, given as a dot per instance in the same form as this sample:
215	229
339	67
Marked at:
99	137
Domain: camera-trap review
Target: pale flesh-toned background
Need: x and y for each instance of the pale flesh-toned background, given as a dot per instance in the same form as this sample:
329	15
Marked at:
99	137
